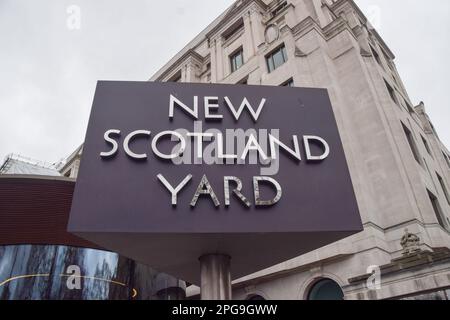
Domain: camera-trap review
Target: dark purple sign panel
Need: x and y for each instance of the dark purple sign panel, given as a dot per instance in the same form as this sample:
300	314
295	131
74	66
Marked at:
172	171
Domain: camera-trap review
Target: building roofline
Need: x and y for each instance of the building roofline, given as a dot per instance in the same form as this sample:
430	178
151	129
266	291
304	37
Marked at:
168	69
191	45
232	10
25	160
62	166
372	29
36	177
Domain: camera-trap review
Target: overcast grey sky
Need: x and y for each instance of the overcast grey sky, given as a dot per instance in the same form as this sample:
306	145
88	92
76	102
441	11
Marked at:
48	72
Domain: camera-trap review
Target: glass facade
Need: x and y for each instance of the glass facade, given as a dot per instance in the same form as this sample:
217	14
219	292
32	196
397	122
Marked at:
58	272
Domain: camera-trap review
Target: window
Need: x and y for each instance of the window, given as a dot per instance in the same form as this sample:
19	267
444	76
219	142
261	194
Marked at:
395	79
278	9
176	77
446	158
444	188
234	29
425	143
408	106
376	55
391	92
276	58
243	81
255	297
412	143
237	60
208	72
289	83
391	66
429	296
434	129
388	60
436	208
326	289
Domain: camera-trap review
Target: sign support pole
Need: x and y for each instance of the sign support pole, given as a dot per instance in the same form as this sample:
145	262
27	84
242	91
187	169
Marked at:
215	277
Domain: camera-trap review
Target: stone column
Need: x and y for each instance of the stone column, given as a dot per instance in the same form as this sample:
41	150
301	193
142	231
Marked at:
219	59
215	277
257	28
183	73
301	11
191	72
212	54
322	19
249	43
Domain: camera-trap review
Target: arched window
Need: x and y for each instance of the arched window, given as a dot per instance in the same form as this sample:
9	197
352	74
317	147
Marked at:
255	297
326	289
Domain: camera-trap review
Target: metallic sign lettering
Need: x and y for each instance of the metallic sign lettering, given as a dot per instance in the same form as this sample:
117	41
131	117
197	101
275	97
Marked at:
211	106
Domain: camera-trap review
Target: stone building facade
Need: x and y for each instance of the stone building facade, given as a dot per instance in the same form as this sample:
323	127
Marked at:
399	167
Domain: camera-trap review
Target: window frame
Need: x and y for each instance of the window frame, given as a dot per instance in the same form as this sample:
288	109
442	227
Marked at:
288	83
376	56
243	81
233	62
391	92
234	29
447	158
278	9
176	77
443	187
426	145
412	143
437	209
270	61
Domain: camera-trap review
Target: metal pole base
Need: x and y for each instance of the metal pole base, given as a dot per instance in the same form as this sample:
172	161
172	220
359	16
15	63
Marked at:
215	277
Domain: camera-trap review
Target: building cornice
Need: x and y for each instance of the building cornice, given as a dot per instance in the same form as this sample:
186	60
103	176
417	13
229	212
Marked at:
189	54
282	12
70	159
419	260
35	177
337	6
280	274
191	45
329	31
235	10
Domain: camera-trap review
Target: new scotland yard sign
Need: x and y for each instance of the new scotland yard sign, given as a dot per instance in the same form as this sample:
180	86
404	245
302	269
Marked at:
173	171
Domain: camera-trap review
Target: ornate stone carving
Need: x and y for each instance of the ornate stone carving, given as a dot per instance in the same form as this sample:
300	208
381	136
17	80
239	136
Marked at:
410	243
272	33
363	37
